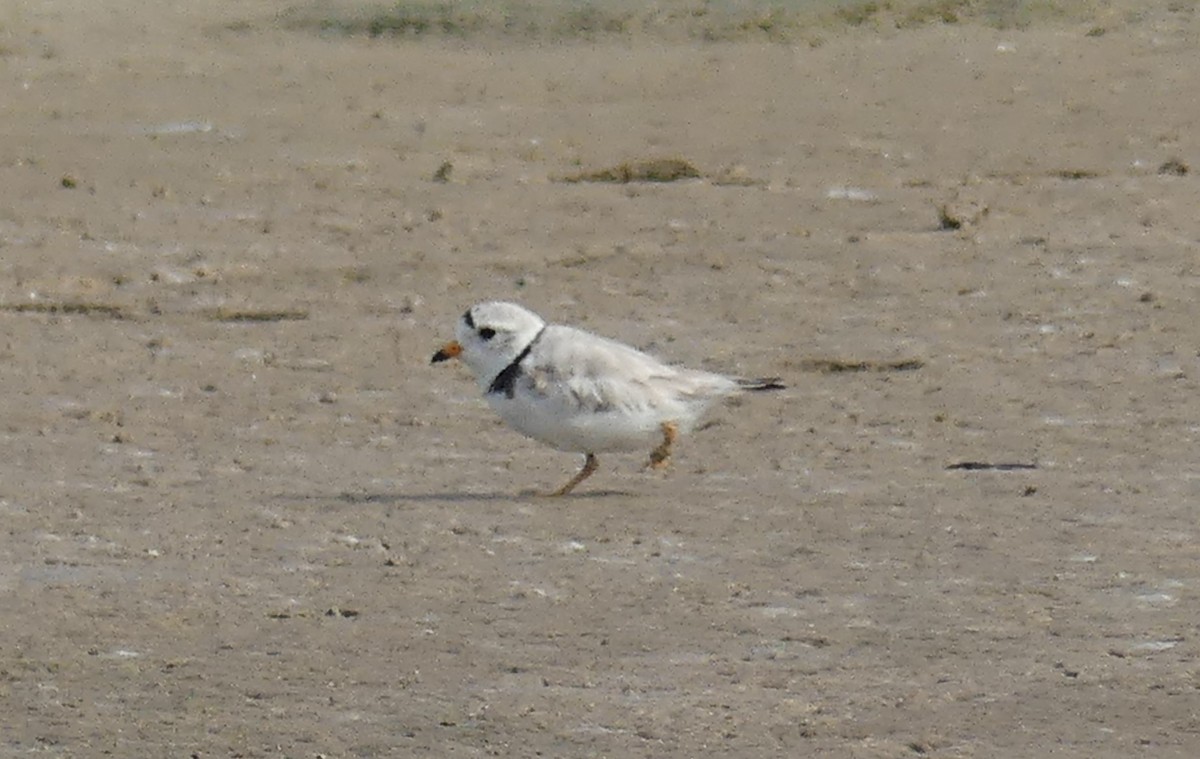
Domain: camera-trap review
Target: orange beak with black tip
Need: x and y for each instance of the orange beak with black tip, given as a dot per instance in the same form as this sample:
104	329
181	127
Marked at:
448	351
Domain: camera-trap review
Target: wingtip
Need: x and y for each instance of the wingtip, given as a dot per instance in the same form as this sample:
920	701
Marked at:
764	383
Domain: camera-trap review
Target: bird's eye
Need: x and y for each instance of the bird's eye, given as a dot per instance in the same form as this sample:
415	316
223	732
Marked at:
487	333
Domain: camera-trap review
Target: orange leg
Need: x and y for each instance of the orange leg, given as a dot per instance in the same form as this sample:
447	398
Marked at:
660	456
590	465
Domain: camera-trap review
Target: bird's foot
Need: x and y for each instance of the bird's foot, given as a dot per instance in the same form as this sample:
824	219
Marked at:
590	465
660	457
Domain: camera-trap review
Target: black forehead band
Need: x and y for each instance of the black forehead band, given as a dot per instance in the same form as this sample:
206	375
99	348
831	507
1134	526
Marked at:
468	319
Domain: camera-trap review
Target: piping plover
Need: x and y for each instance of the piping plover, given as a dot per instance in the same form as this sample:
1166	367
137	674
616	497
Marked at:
580	392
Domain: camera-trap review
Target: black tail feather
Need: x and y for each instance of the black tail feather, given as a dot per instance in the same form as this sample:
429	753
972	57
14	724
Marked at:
765	383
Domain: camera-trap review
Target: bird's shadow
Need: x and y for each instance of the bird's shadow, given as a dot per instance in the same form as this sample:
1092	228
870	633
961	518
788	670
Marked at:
357	498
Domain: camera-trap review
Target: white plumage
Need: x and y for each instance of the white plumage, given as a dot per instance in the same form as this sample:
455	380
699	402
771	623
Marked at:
580	392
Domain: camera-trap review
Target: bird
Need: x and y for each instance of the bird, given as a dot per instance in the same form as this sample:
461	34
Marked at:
582	393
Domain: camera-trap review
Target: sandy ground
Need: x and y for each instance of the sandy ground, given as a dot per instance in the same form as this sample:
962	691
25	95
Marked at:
244	517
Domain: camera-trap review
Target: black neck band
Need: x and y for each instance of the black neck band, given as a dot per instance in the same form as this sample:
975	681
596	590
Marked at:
506	380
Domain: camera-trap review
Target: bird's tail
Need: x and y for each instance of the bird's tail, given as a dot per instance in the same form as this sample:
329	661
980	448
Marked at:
765	383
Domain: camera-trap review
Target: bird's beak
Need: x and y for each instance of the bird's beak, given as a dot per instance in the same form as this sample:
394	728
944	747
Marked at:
448	351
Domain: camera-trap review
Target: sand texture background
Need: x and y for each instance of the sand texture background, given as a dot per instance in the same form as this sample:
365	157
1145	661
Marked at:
244	517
